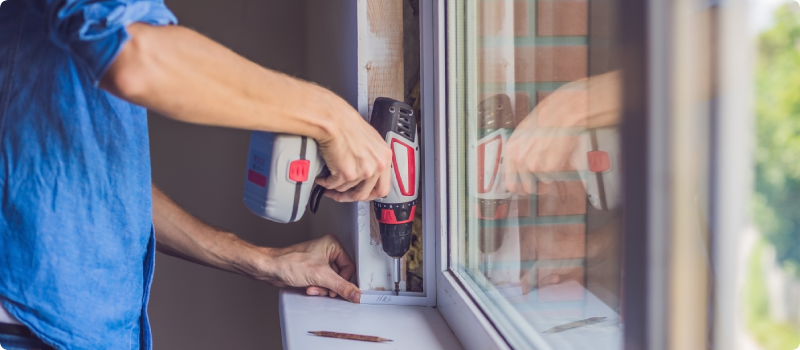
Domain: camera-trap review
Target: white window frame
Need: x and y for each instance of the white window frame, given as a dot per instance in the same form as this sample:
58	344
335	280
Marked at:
463	314
468	322
454	294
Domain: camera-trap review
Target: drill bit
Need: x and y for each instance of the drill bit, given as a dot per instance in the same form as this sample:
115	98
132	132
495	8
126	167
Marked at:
396	270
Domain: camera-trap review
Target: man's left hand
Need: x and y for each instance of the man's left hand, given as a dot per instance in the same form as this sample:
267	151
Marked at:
322	265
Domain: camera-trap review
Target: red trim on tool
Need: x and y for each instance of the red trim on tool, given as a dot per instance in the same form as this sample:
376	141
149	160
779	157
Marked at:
599	161
298	170
256	178
388	217
481	162
411	168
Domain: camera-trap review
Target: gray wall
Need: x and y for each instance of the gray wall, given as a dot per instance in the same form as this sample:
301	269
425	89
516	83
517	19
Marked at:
332	62
202	168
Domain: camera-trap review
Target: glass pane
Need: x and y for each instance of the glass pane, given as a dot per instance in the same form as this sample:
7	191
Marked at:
534	146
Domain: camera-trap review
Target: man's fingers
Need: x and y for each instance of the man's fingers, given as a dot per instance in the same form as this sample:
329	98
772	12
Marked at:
339	285
314	290
335	269
330	181
552	279
337	181
347	186
332	194
350	196
364	189
374	195
511	178
384	183
346	267
342	268
528	182
341	197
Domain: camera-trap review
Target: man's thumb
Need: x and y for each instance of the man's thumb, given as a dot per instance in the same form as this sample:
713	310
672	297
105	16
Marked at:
342	287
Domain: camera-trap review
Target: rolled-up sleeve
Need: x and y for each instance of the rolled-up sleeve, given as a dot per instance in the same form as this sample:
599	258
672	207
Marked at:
94	31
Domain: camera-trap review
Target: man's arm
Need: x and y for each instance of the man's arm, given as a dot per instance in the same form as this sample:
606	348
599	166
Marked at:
313	264
188	77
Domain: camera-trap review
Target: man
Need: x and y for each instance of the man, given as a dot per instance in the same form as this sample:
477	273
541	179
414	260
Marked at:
77	210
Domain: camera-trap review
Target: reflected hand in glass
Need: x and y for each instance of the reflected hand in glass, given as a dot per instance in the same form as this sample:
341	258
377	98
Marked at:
548	139
561	136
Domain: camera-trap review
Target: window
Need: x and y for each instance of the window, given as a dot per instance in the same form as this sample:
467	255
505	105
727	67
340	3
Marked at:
534	157
555	117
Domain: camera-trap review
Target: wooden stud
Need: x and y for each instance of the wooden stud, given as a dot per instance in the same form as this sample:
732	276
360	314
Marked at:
380	32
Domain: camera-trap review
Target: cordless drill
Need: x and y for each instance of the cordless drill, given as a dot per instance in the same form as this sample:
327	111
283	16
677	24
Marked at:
279	180
495	124
396	122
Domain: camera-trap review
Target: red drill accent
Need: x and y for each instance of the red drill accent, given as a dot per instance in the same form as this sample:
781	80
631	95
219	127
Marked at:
298	170
411	166
482	160
256	178
599	161
388	217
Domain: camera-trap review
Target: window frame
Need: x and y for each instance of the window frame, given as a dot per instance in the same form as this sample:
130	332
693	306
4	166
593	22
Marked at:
463	313
467	321
648	36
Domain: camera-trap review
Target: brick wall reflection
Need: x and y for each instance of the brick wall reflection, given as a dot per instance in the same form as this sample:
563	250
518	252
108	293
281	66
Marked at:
565	246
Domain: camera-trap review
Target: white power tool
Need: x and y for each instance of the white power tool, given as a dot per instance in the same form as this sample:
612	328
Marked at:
495	124
281	168
396	122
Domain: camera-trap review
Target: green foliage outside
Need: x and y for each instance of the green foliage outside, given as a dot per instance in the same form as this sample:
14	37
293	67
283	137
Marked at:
776	202
777	196
769	334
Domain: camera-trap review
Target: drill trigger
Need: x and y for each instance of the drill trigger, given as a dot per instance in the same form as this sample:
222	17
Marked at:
316	197
318	192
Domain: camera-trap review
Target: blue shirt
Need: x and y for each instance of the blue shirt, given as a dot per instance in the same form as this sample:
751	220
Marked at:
76	237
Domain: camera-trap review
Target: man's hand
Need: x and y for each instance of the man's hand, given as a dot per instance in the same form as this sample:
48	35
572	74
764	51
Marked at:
188	77
358	159
321	265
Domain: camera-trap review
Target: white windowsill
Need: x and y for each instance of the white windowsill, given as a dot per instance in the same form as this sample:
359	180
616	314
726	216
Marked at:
410	327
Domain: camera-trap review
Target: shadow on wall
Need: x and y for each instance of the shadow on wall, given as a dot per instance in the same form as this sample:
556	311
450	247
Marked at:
202	169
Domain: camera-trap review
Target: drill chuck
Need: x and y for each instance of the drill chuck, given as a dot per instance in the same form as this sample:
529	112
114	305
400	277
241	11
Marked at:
396	239
395	222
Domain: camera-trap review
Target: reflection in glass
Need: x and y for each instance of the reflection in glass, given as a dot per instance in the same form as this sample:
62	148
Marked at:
540	198
495	124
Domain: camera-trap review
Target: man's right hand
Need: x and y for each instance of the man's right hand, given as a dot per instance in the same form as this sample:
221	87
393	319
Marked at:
358	159
185	76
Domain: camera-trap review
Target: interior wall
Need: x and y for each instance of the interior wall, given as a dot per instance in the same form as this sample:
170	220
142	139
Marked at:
202	169
332	62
